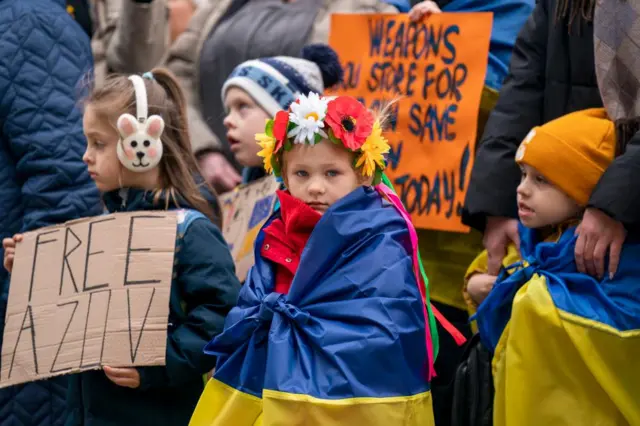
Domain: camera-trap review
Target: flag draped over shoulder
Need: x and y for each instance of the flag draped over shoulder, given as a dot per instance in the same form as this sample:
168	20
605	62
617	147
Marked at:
347	345
567	346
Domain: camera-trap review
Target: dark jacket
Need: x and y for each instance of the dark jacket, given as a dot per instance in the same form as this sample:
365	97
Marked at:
44	56
80	10
552	73
252	174
203	291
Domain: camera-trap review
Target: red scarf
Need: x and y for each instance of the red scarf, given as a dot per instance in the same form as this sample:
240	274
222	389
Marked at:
286	237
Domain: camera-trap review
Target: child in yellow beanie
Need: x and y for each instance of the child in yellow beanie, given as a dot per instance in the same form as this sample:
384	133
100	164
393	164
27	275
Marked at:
561	163
560	342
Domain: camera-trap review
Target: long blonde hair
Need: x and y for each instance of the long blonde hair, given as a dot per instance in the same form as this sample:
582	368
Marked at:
178	166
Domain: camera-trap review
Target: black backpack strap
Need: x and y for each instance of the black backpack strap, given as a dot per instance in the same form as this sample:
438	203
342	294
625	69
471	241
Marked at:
473	387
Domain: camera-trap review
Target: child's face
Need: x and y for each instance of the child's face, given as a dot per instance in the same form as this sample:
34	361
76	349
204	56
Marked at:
321	174
100	157
540	203
102	160
244	119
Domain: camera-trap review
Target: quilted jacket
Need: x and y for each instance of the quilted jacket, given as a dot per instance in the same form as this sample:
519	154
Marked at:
43	181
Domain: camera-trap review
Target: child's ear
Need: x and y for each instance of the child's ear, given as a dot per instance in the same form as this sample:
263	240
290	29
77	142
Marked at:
127	125
365	180
155	126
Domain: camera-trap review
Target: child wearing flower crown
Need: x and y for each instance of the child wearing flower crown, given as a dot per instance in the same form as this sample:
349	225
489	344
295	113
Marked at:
331	324
139	156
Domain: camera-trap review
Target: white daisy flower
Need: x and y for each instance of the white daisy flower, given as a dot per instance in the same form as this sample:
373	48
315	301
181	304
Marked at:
308	115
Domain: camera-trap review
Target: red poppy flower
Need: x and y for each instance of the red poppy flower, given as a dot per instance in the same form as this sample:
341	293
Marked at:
350	121
280	125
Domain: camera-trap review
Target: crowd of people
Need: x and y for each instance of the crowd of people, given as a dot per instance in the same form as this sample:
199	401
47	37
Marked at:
128	105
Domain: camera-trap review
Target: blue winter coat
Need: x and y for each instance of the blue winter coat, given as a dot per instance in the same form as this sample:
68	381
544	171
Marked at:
44	54
204	289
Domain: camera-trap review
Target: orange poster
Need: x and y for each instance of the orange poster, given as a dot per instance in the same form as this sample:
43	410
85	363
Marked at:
435	69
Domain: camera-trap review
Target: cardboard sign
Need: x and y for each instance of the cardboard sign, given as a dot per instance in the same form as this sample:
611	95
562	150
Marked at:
244	211
89	293
436	70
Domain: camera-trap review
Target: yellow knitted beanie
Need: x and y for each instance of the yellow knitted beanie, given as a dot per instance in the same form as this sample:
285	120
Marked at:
572	151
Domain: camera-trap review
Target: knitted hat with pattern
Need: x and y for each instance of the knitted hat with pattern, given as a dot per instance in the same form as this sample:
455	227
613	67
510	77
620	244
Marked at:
274	83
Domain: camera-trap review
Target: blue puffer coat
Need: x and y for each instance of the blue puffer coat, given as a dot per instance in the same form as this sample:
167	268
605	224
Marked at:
44	55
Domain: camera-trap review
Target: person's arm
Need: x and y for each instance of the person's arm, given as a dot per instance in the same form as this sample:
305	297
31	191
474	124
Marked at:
613	209
137	35
617	193
209	288
182	60
495	176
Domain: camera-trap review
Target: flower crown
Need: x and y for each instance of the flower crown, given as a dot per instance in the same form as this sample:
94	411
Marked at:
341	120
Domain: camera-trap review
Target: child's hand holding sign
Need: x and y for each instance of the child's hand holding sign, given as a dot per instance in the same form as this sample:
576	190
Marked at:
125	377
9	245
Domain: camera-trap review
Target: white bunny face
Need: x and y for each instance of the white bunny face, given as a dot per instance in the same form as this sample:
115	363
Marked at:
140	147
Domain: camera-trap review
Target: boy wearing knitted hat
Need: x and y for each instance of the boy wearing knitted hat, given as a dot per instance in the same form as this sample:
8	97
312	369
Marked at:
259	88
561	163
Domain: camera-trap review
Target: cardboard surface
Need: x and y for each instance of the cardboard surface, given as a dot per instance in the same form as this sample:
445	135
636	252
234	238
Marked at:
435	69
244	211
89	293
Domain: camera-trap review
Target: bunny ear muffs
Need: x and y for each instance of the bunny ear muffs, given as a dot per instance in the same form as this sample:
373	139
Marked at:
154	126
127	125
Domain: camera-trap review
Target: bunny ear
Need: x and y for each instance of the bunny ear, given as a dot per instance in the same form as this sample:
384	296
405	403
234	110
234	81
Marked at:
127	125
155	126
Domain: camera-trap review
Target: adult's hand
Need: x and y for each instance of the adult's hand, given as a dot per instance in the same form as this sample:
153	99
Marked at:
499	232
422	10
597	234
217	171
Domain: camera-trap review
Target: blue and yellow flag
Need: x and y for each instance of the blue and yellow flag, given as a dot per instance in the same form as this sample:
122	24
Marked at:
566	346
347	345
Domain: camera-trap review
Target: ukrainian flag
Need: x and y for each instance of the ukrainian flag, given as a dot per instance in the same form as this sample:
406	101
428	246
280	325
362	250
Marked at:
567	346
347	345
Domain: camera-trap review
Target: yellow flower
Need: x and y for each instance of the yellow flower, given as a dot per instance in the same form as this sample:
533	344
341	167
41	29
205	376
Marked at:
372	151
267	143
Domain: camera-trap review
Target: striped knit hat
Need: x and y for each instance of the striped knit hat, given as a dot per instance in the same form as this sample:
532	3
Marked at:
274	83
